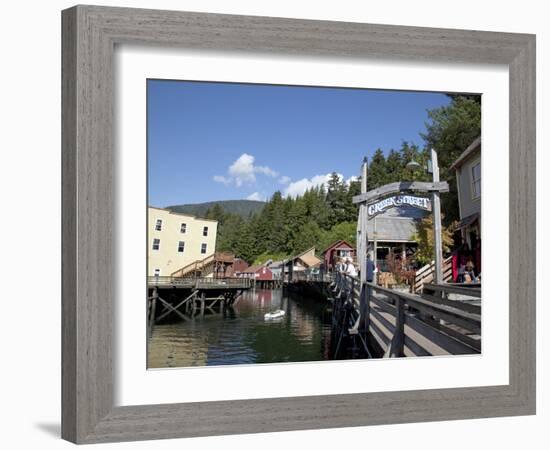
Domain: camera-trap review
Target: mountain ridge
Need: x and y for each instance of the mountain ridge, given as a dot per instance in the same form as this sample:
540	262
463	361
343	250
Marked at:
243	208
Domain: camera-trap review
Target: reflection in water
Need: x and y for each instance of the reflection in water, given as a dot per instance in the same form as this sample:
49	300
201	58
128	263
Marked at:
242	336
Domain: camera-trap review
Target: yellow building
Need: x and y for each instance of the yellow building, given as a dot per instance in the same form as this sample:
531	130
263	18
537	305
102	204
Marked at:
175	240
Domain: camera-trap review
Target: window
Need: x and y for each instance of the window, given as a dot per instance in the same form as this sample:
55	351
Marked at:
156	244
183	228
205	231
203	248
157	272
181	246
158	225
476	180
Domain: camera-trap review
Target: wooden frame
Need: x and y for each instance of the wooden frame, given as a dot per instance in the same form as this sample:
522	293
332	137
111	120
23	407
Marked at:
89	37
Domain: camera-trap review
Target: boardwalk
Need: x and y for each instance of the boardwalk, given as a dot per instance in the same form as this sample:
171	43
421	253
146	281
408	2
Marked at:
445	320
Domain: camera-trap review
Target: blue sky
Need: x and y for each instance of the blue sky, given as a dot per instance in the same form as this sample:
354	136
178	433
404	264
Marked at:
222	141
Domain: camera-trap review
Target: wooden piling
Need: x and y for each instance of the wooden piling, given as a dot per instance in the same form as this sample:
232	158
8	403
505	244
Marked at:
152	310
203	301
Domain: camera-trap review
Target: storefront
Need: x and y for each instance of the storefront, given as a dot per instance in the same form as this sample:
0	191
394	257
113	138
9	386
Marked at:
393	233
467	168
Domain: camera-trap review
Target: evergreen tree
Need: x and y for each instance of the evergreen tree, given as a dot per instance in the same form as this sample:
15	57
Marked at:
296	219
309	235
336	199
394	166
215	212
377	174
451	130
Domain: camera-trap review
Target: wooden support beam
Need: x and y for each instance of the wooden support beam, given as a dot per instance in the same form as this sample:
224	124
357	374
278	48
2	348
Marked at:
398	341
202	304
436	211
178	306
152	310
362	250
171	308
400	186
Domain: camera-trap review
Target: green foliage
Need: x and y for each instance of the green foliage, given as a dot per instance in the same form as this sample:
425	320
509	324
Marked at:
346	231
244	208
451	130
266	256
424	236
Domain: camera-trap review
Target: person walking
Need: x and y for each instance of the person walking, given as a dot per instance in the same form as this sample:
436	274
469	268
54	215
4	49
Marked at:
370	269
350	268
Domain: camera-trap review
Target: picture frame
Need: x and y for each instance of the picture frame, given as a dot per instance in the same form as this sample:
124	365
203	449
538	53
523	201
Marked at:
90	34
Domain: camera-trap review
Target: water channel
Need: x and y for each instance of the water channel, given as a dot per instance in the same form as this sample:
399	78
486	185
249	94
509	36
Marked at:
242	336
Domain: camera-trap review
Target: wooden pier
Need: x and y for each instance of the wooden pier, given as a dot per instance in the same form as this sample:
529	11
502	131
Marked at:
267	284
186	298
310	285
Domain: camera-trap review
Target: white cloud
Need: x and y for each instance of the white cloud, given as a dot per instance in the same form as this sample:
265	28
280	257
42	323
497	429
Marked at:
255	196
266	171
243	171
221	179
284	179
299	187
352	178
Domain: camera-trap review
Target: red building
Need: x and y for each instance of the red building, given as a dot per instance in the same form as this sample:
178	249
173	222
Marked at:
260	273
239	266
338	249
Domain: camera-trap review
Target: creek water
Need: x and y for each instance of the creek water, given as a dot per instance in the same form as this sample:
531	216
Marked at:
242	336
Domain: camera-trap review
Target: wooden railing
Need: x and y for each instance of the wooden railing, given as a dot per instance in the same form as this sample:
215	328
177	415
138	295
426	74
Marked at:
426	274
199	283
189	269
200	264
393	324
308	276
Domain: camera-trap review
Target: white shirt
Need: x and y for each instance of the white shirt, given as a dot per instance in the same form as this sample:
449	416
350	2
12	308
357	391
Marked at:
350	270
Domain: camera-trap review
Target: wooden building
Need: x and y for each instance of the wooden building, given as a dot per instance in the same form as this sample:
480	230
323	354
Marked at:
177	240
239	266
468	180
258	273
276	268
467	168
394	231
301	262
338	249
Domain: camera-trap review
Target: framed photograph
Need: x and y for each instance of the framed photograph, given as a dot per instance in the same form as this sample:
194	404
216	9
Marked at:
267	222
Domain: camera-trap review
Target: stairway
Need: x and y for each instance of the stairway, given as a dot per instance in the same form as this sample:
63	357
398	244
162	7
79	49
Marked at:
203	267
426	274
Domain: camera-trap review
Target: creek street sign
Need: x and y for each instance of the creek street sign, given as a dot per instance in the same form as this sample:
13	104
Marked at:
396	201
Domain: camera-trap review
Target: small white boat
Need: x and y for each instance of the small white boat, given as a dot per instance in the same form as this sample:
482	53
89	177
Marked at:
274	315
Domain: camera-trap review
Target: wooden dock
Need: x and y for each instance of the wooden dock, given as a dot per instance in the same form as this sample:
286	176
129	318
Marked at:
310	285
172	298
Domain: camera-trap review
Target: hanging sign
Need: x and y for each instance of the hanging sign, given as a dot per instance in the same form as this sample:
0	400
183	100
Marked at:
396	201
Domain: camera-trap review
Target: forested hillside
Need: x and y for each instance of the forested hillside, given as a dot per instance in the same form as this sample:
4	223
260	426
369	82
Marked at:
243	208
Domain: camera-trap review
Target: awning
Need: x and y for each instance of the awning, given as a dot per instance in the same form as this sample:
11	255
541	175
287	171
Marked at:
310	260
467	221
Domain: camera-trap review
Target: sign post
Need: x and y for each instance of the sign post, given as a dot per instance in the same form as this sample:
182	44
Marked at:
436	206
394	195
363	248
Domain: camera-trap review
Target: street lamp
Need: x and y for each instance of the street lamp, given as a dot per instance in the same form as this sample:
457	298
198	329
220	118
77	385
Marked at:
432	167
412	165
